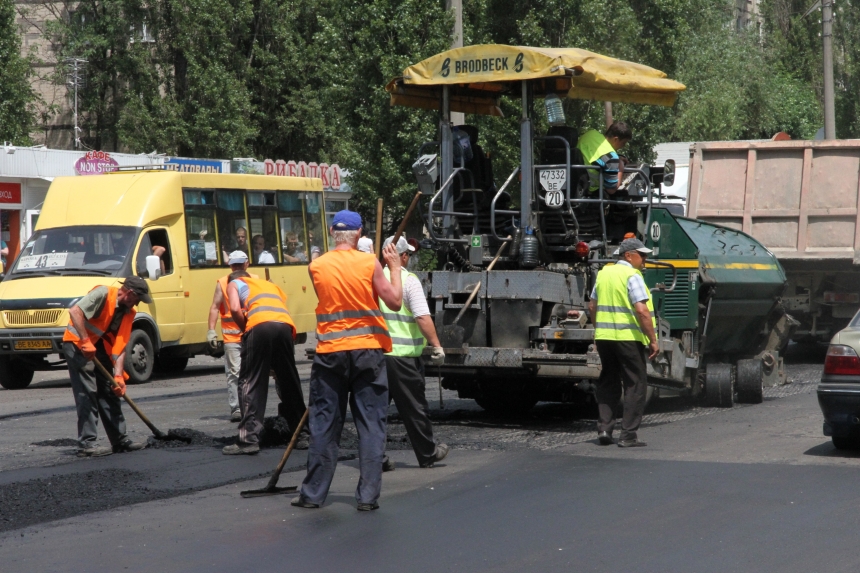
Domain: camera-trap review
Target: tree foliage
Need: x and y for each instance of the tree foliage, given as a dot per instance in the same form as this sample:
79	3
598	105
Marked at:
304	79
17	99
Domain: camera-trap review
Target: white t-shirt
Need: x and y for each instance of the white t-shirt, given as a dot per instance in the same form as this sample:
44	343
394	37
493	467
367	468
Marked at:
413	297
266	258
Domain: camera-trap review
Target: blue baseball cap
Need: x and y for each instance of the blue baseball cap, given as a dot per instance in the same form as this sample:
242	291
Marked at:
346	221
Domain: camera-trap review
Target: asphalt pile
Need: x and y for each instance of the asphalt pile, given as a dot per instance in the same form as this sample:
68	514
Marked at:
60	496
197	439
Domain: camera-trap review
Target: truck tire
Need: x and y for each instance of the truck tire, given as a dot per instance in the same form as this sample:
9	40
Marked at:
845	443
718	385
167	364
139	357
749	381
14	374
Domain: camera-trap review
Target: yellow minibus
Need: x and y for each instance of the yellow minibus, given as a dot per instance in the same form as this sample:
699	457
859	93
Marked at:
97	230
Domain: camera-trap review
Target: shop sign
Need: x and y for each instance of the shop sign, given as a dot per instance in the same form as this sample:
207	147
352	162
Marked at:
10	192
330	174
95	163
194	165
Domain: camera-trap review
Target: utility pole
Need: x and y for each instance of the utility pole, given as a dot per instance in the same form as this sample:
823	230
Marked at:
456	6
76	79
827	41
607	113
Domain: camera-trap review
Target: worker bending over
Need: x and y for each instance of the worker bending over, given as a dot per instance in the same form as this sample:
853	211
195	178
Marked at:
238	261
259	309
99	328
350	361
411	328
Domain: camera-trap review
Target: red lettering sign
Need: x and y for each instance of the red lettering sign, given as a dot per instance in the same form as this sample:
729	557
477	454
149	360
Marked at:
270	167
10	192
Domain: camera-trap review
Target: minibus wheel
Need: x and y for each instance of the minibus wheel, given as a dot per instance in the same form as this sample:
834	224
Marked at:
14	374
139	357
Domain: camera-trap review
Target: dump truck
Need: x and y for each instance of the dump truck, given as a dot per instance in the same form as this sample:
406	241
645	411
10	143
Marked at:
800	200
516	262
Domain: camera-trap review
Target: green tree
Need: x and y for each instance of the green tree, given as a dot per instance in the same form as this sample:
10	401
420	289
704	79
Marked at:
17	99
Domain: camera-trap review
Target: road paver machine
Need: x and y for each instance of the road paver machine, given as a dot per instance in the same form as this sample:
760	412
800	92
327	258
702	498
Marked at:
515	269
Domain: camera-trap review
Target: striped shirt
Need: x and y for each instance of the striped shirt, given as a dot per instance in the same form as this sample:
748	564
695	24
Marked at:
413	297
636	289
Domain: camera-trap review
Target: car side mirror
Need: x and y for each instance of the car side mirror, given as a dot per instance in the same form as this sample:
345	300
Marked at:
669	173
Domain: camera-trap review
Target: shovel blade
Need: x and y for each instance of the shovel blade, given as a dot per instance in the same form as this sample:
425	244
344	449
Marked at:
269	491
452	336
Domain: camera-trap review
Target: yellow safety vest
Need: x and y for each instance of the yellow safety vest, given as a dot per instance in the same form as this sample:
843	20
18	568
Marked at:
616	319
593	146
406	337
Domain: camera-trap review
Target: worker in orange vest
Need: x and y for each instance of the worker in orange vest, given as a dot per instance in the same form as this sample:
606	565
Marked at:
349	364
99	328
238	261
259	309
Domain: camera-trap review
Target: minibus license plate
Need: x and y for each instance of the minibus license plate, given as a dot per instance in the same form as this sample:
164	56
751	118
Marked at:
33	345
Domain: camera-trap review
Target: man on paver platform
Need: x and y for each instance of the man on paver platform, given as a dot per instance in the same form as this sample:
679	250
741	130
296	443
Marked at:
238	261
350	362
623	317
411	328
259	309
105	316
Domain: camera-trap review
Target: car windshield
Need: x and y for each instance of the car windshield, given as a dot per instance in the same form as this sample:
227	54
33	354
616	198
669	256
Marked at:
84	250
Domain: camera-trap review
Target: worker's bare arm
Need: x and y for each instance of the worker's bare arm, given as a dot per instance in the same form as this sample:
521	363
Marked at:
215	309
118	365
428	329
643	315
391	293
78	320
235	306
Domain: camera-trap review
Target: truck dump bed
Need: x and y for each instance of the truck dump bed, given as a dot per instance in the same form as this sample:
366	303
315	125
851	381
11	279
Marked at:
798	198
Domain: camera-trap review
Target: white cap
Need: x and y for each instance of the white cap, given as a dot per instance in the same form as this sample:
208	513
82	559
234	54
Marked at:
403	245
365	245
237	258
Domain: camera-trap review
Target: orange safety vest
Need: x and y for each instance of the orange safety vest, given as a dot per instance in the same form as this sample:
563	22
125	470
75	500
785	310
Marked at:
229	328
114	344
266	303
348	316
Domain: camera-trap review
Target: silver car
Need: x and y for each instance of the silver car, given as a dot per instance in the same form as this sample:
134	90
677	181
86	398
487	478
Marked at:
839	390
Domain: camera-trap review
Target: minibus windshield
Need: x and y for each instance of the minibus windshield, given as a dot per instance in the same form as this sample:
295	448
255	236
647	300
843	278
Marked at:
82	250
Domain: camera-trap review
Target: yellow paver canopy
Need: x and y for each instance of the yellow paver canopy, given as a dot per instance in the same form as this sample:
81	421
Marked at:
478	75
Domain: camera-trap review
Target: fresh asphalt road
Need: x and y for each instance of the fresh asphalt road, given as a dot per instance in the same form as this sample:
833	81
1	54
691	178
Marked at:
752	488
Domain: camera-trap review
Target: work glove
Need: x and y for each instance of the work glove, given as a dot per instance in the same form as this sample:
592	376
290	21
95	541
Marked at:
119	387
212	337
437	357
87	349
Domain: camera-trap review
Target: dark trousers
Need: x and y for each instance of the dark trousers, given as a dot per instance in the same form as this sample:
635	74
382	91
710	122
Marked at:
94	398
623	364
268	346
406	388
360	377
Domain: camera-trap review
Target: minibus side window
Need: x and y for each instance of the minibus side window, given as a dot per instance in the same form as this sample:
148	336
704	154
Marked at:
291	218
233	232
263	220
314	219
200	225
154	243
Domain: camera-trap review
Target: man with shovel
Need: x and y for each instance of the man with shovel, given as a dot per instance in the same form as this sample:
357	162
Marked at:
411	328
349	364
259	310
99	328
